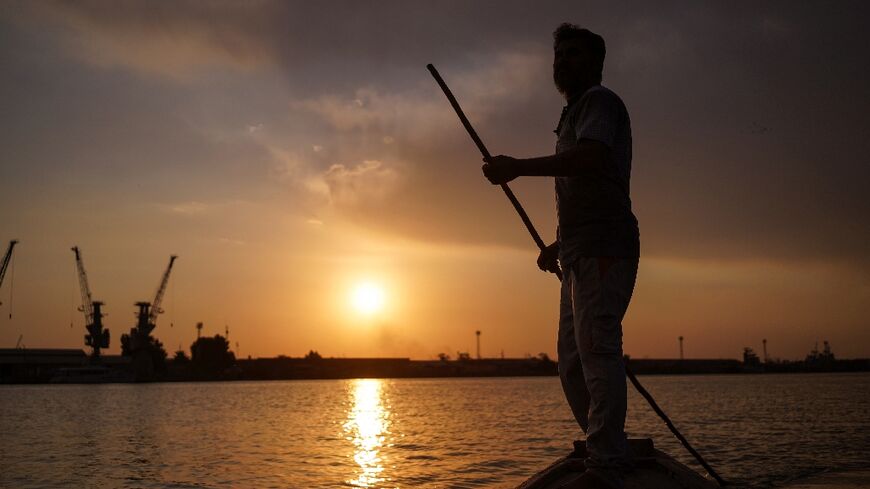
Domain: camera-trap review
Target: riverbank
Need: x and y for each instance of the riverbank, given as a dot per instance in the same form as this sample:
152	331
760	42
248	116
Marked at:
36	366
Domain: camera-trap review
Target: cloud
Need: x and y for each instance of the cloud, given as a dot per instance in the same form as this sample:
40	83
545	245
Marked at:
187	38
694	77
384	146
286	164
397	114
173	40
369	181
192	208
421	110
232	242
362	110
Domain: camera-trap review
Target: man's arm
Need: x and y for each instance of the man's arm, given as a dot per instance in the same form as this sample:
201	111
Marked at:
588	155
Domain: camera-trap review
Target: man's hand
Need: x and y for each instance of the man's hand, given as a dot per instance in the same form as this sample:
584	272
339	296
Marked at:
501	169
548	259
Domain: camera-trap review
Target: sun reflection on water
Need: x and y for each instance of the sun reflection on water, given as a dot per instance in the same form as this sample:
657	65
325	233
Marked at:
367	427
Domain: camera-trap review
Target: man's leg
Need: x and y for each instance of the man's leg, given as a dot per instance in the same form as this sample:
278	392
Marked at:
570	369
600	293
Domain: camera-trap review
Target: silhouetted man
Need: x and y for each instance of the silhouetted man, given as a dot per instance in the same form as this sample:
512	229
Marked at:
597	245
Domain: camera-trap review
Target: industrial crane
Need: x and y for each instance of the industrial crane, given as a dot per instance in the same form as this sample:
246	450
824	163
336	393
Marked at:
5	264
97	337
148	311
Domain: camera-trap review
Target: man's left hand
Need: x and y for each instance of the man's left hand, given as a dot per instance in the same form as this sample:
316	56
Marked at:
501	169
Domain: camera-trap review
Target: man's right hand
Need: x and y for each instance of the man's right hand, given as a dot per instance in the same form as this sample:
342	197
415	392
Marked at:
500	169
548	259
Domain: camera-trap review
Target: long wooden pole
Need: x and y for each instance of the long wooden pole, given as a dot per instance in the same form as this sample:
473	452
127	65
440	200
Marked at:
646	395
487	157
519	208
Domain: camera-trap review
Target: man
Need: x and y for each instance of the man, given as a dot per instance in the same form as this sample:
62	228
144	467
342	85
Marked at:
597	245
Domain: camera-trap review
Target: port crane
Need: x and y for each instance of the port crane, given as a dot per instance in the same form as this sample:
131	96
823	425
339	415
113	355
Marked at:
148	311
97	337
5	264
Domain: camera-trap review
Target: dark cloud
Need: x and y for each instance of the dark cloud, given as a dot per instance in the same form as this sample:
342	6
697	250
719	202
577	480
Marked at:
748	120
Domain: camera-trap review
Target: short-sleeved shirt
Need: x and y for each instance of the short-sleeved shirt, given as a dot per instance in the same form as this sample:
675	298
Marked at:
594	209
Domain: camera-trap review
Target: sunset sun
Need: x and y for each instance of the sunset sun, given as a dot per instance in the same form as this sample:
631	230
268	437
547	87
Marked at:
367	298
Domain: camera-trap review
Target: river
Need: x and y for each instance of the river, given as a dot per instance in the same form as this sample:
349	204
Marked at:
756	430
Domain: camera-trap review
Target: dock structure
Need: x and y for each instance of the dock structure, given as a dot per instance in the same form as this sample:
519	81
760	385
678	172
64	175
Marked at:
97	337
139	344
37	365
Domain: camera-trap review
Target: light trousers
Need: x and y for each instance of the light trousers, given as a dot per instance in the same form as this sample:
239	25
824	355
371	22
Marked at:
593	302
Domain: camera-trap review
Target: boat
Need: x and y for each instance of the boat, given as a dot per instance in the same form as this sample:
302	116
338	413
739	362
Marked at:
652	469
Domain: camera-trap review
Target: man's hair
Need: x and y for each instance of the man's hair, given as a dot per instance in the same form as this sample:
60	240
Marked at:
591	41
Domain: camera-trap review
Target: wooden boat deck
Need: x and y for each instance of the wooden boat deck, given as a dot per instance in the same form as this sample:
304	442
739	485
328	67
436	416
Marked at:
652	469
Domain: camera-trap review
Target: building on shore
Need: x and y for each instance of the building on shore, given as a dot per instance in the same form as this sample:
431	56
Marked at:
36	365
42	365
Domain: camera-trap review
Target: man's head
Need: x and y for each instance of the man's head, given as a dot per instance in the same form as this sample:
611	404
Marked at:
578	59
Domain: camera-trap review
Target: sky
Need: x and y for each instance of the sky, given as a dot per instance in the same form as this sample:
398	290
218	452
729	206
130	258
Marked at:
289	152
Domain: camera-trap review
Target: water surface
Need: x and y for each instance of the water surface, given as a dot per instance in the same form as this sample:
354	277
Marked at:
758	430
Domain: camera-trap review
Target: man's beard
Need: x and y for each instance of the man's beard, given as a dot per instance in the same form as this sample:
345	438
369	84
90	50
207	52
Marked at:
567	83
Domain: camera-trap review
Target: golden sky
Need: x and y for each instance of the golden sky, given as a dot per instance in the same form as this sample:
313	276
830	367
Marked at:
290	151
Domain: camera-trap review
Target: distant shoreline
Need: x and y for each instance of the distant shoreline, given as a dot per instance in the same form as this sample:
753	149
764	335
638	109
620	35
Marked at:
72	366
242	379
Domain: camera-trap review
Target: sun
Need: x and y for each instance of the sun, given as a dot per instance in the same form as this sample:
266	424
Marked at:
367	298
